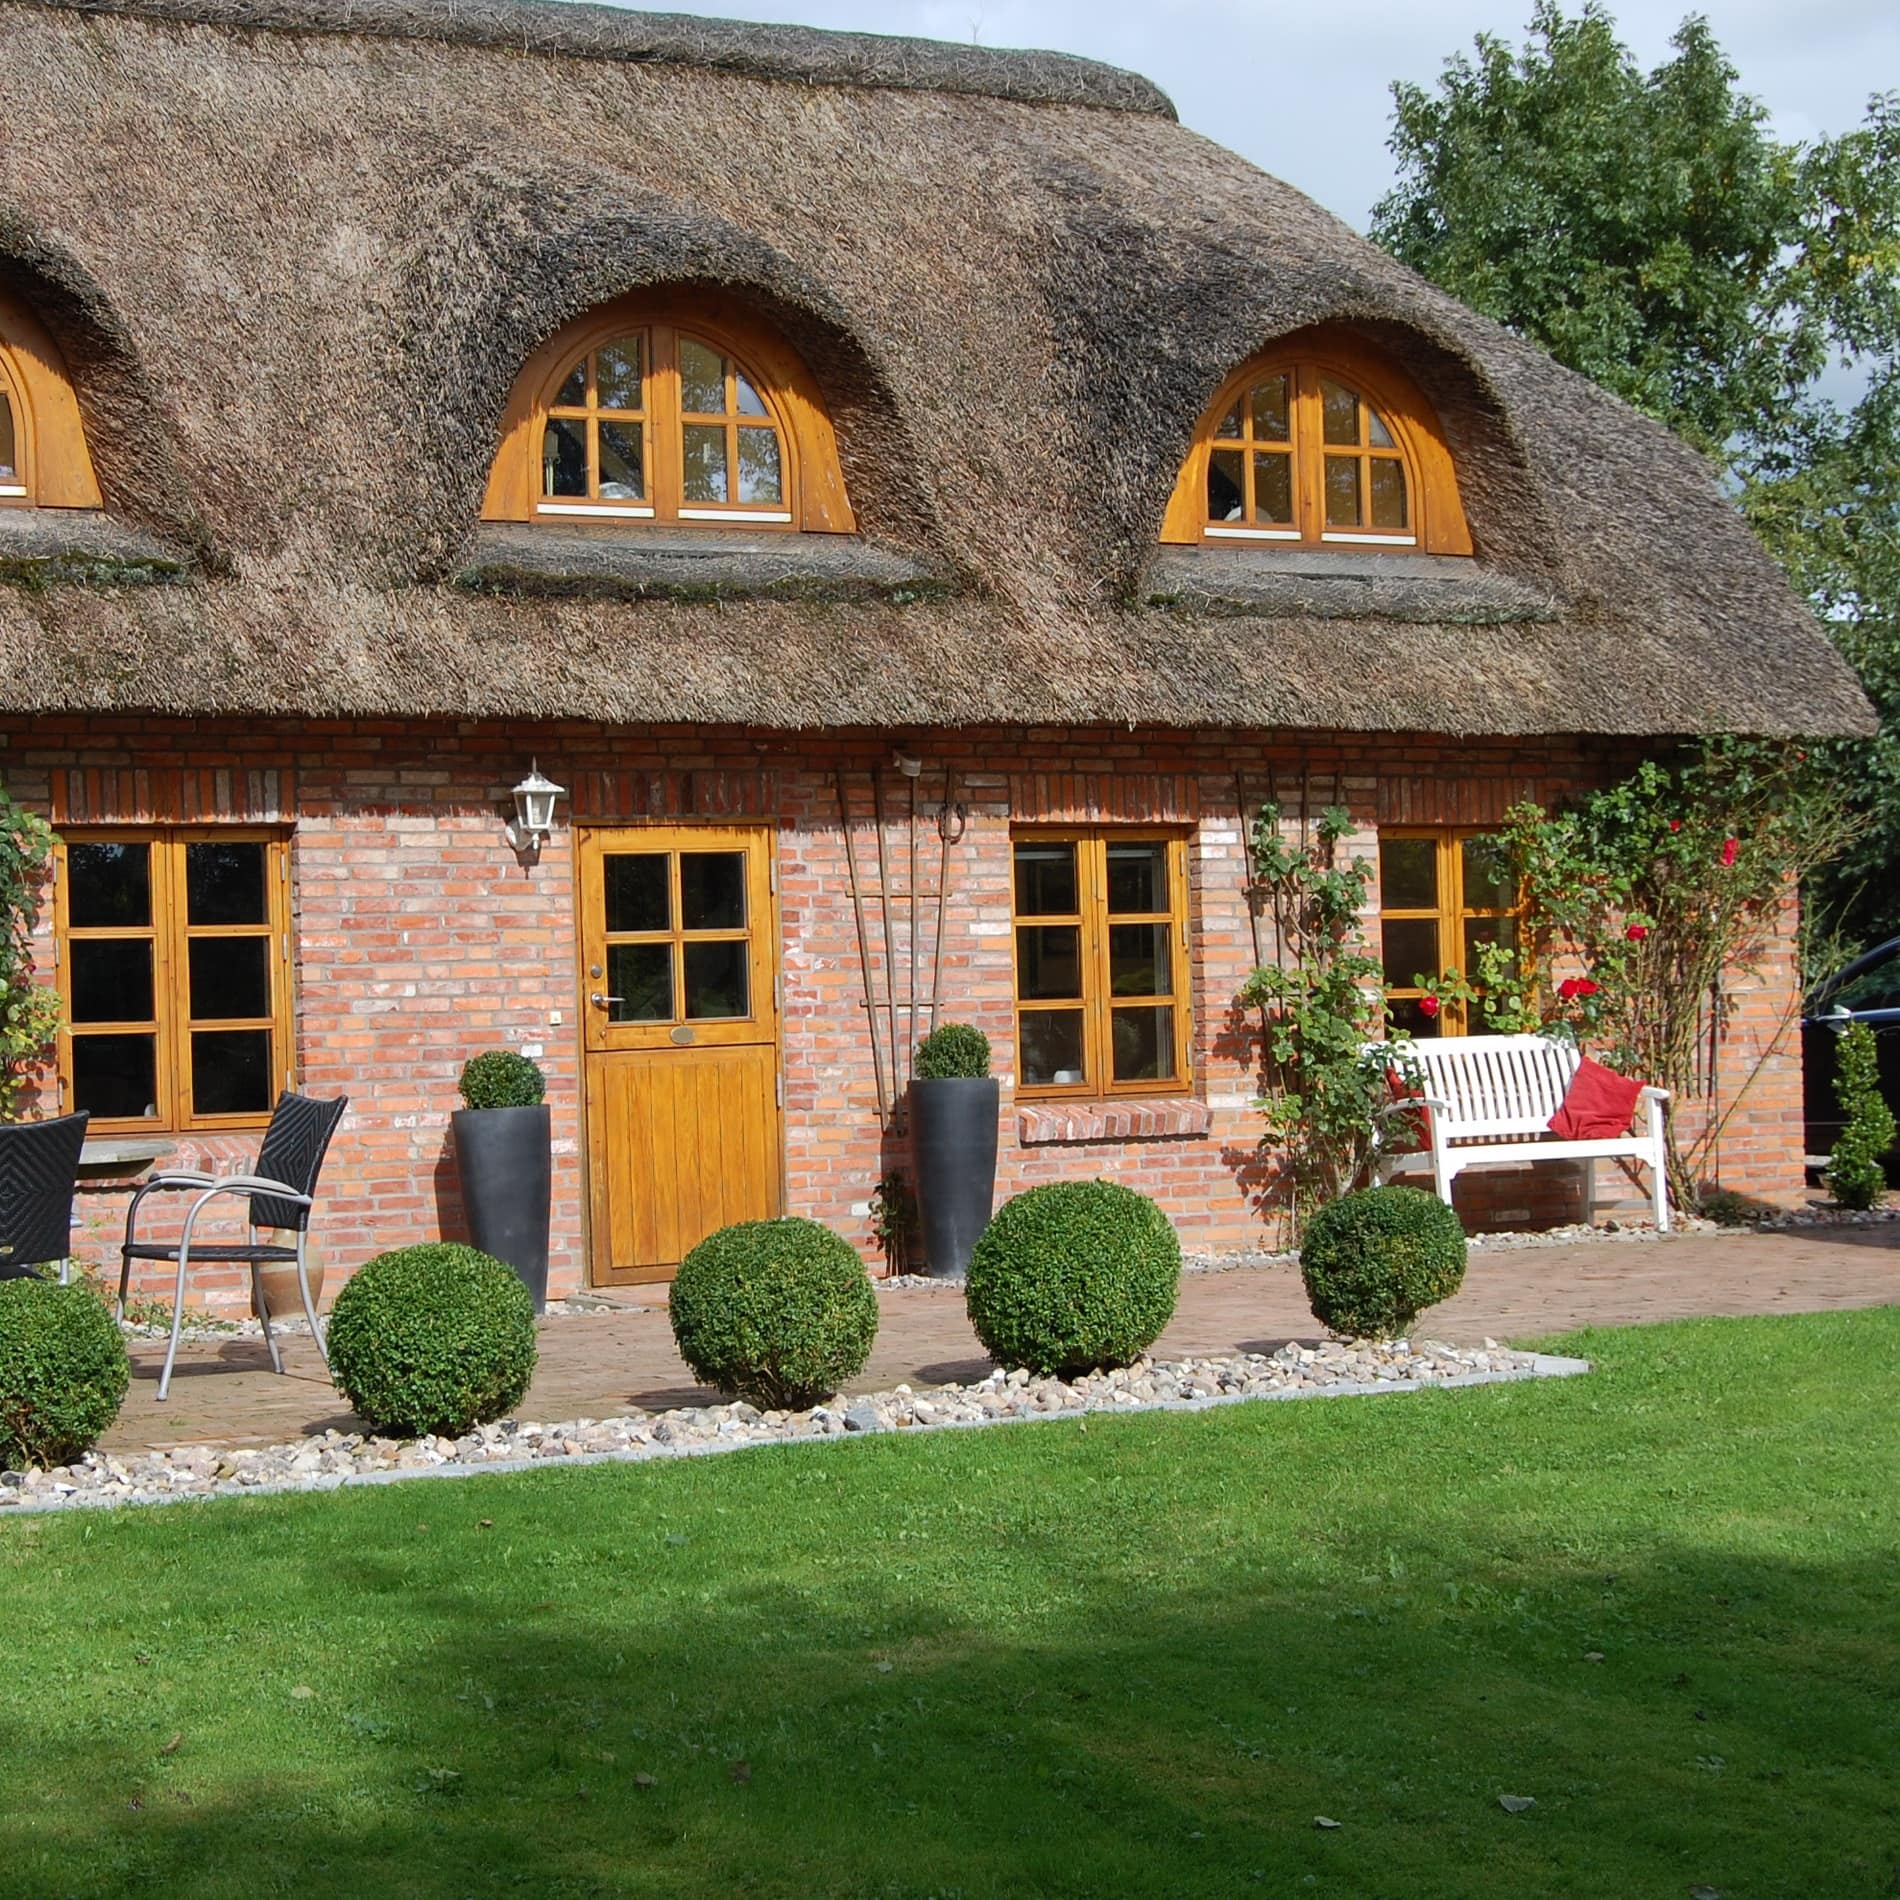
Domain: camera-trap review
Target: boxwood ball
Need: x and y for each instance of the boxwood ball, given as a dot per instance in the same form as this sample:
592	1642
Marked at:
1373	1261
63	1372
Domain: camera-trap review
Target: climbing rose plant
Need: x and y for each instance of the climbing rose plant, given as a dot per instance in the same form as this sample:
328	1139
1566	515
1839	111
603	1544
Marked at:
29	1011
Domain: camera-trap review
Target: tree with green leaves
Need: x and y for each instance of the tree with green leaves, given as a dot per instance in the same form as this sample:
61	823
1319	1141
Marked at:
1649	230
29	1011
1856	1171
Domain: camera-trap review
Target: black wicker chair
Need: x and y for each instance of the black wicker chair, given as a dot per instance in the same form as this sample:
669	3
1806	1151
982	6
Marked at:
281	1194
39	1167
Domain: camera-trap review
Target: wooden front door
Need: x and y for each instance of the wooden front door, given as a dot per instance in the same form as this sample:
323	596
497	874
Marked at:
678	957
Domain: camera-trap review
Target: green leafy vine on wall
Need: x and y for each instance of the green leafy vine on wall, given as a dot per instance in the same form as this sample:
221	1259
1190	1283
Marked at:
29	1011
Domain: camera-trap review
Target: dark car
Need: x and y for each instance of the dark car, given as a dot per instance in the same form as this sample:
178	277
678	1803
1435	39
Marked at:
1866	991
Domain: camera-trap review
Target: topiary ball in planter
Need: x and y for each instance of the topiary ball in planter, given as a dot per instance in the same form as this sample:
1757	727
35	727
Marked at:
63	1372
1373	1261
501	1078
1074	1276
780	1312
956	1051
432	1340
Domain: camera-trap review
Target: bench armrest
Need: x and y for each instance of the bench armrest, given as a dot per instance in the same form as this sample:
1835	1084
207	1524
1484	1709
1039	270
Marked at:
1411	1101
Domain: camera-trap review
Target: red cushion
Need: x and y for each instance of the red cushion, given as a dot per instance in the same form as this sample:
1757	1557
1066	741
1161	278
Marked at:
1597	1105
1415	1134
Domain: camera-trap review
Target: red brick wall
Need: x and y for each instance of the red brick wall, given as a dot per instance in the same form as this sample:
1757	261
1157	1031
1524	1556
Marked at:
420	938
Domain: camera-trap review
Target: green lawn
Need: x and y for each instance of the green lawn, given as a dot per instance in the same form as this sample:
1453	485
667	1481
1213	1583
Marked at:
1134	1658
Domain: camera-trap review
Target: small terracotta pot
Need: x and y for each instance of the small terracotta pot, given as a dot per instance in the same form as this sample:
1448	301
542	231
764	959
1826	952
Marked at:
280	1279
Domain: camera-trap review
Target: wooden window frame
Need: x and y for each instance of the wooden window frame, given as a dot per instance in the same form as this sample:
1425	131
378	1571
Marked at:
814	492
1451	914
55	466
1092	920
170	935
1437	524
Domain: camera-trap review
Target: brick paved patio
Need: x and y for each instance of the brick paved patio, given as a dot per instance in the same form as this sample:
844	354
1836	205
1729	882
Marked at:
595	1366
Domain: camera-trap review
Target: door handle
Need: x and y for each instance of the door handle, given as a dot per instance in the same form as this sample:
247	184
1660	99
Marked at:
600	1002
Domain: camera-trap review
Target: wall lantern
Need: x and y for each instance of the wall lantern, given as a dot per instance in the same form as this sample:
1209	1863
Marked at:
534	811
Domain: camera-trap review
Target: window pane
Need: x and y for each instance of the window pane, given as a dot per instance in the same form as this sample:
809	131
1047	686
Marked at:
1408	873
1411	950
1045	880
1376	432
712	890
705	461
9	454
572	394
759	466
1487	868
1408	1020
1051	1042
108	886
1273	490
620	372
230	977
1144	1045
1137	877
1138	963
112	980
716	979
1226	501
751	403
622	461
636	894
1342	491
1481	930
224	884
1388	493
564	459
1269	410
1341	408
702	379
640	978
230	1072
116	1075
1048	960
1229	424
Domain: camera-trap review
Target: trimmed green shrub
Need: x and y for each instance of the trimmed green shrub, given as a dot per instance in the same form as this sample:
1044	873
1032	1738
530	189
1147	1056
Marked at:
432	1340
63	1372
1857	1169
953	1050
1072	1276
1373	1261
501	1078
780	1312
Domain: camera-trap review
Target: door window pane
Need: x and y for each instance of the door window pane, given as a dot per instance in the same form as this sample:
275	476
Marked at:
1481	930
230	1072
1409	1021
1408	873
230	977
1342	491
1137	878
1138	960
1052	1048
1411	950
1226	499
712	890
116	1075
224	884
564	459
1048	961
717	982
1144	1044
1045	880
636	894
112	980
705	461
640	979
1487	871
108	886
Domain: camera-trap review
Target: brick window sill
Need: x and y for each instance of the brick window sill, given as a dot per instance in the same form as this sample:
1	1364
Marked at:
1136	1118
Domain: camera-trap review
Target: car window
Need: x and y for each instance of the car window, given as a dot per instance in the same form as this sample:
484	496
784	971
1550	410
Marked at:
1877	988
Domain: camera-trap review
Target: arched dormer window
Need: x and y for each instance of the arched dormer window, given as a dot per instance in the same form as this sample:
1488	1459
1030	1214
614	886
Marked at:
1317	442
669	411
43	458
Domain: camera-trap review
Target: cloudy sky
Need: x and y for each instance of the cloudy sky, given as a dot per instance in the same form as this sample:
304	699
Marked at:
1303	91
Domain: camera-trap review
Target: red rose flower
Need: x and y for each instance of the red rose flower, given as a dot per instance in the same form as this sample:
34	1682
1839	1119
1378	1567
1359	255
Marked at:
1675	824
1586	988
1637	932
1428	1006
1729	848
1570	987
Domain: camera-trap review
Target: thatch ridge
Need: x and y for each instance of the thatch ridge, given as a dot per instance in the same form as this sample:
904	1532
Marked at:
573	29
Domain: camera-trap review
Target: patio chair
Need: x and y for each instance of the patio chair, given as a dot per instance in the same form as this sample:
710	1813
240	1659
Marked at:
39	1168
280	1194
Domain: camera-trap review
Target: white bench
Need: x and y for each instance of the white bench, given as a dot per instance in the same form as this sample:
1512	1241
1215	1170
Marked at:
1491	1099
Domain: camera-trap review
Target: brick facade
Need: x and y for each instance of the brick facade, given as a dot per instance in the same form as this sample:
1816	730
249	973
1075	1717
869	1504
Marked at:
419	938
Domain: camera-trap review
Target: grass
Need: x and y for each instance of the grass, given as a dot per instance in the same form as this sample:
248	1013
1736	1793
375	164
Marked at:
1134	1658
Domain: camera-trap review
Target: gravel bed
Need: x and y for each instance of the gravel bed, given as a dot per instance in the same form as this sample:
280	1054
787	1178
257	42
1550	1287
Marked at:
1334	1369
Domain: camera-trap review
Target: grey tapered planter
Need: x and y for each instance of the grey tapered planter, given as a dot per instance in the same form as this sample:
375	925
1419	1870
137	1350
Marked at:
503	1160
953	1148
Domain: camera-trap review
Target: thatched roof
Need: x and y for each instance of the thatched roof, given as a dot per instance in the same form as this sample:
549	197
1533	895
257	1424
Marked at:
296	251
